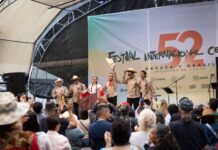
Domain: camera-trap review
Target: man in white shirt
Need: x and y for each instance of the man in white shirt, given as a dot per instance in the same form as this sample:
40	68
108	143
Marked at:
58	141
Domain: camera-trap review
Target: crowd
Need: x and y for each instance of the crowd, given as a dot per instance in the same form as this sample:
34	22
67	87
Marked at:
24	124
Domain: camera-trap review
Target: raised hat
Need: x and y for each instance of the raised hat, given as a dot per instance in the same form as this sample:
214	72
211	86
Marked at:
75	77
59	80
10	109
110	62
131	70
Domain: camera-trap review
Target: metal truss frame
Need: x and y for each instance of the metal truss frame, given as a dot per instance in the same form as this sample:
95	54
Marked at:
5	3
64	18
68	16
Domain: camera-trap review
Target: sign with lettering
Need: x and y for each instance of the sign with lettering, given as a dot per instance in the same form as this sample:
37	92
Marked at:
167	42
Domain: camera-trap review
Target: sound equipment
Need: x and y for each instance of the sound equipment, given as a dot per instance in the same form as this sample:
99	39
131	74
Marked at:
15	82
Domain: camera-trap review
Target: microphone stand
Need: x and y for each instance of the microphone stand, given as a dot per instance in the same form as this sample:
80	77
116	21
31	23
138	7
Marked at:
175	82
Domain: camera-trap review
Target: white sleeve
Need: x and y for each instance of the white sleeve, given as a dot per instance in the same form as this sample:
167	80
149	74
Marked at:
99	86
167	119
89	88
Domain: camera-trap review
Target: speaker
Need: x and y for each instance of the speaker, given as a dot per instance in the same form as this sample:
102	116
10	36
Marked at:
15	82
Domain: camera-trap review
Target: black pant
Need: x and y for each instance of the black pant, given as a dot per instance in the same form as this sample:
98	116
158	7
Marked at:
75	108
113	100
134	101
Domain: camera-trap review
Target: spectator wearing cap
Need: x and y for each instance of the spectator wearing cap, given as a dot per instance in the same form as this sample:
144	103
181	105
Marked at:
76	88
133	87
11	121
60	92
189	134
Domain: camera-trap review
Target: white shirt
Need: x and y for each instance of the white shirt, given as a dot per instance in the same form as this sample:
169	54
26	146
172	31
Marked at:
85	129
93	88
43	141
58	141
167	119
139	138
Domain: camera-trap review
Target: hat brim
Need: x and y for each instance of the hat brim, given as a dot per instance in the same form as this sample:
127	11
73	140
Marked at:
131	71
12	117
75	79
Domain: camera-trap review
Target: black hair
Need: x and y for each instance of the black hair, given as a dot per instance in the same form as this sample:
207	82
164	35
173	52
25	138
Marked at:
121	132
84	114
52	122
131	113
144	72
175	117
19	96
124	110
213	104
37	107
95	77
101	109
166	139
172	109
197	113
32	123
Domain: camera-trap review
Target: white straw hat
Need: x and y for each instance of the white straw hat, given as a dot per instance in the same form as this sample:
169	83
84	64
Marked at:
10	110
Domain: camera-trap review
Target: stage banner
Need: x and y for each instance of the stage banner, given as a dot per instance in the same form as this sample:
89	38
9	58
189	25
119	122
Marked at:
176	46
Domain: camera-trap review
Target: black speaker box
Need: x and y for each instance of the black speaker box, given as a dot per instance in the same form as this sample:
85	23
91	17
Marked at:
15	82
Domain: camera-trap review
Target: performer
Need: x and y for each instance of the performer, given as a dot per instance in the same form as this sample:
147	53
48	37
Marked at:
94	91
147	90
111	87
76	88
133	87
60	92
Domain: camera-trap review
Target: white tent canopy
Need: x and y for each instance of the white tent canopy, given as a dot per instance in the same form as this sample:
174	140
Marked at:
21	23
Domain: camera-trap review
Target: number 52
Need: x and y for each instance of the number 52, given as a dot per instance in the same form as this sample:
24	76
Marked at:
189	59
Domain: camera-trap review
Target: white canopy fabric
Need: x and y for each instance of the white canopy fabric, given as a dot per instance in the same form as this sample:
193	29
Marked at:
21	23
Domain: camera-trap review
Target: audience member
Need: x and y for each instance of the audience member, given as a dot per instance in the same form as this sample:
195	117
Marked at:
84	124
58	141
159	117
32	125
162	139
211	128
127	113
12	117
189	134
163	107
120	136
98	128
75	136
37	108
146	120
52	110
